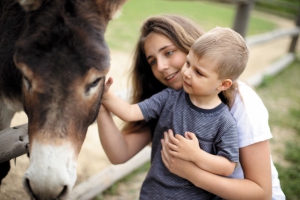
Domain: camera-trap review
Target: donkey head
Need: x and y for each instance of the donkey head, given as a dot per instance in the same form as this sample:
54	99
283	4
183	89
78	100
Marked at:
63	58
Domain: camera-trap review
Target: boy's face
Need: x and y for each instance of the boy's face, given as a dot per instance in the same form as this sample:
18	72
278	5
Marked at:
200	77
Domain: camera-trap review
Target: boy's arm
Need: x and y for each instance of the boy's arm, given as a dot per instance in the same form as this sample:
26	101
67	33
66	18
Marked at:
187	148
119	107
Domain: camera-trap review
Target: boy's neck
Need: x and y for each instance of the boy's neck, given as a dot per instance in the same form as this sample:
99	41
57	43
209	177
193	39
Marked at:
205	102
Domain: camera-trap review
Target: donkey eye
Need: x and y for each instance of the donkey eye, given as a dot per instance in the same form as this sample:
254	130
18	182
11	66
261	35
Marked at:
26	83
91	87
95	83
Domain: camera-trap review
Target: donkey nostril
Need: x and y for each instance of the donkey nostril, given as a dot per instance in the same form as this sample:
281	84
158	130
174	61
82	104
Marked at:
27	183
63	192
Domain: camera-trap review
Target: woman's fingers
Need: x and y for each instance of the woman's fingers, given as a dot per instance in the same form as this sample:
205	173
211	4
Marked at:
164	154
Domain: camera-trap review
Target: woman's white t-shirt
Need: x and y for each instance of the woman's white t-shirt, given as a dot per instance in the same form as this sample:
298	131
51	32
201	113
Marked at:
252	122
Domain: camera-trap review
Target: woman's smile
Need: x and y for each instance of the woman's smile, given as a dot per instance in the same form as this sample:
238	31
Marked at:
171	77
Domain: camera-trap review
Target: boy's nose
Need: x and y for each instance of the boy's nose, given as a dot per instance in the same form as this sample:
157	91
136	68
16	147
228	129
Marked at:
187	74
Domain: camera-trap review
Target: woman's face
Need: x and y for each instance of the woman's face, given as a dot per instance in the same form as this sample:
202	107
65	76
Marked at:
165	59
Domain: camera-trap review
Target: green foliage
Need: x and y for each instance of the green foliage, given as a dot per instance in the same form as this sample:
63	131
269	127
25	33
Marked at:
292	152
290	176
286	8
122	33
266	80
282	98
295	114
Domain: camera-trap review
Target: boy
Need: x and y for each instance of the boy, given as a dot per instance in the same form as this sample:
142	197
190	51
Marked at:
195	113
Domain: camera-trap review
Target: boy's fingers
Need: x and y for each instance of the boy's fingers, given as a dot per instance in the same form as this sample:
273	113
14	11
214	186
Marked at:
179	137
173	139
190	135
109	82
193	136
172	147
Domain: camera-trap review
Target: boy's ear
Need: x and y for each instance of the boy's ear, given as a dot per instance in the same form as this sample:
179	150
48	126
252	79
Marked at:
227	83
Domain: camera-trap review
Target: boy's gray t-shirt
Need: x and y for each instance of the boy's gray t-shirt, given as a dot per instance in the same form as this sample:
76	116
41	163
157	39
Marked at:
215	129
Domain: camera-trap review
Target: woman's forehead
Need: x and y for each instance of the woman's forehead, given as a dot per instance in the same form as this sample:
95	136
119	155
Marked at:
155	42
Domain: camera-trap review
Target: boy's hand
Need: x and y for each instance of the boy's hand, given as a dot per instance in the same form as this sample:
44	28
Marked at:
108	83
186	147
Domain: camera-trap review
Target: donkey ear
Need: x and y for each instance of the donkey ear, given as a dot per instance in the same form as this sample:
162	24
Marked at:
110	8
30	5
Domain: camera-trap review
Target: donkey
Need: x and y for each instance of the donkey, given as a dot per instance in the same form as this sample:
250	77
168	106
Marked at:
53	62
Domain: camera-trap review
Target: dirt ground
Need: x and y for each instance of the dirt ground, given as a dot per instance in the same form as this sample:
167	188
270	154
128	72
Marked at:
92	158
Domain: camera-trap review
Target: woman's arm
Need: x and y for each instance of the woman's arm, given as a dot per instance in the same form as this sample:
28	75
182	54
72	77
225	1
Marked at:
255	160
119	147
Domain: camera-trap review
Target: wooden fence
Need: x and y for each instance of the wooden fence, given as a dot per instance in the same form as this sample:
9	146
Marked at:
14	141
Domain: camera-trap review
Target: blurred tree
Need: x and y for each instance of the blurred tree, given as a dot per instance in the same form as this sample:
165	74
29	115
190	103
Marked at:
284	8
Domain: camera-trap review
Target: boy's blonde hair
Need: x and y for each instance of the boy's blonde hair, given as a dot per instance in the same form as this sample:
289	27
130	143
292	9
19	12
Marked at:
225	48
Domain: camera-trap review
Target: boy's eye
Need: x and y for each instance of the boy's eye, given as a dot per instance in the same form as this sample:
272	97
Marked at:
188	63
198	72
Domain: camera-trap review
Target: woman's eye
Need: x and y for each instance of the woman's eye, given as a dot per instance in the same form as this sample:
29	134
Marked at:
169	53
151	63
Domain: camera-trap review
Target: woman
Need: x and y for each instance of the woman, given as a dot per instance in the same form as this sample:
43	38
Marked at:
155	68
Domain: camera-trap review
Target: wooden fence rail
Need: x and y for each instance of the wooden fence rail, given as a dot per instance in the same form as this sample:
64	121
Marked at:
13	142
273	35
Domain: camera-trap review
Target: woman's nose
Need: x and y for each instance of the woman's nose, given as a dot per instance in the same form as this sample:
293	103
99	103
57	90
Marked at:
162	65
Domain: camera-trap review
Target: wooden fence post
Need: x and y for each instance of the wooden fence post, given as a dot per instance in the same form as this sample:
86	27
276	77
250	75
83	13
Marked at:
292	48
13	142
242	17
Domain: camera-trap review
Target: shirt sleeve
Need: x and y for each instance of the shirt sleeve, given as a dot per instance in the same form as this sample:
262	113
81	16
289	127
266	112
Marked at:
152	107
226	143
251	117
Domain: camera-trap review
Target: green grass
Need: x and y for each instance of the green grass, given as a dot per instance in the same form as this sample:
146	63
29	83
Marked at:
122	33
282	98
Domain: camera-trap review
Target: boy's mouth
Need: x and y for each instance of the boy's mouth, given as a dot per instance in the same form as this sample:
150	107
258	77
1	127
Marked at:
185	83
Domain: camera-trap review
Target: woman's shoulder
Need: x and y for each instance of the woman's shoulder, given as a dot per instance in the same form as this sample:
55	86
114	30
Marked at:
248	102
247	95
251	116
